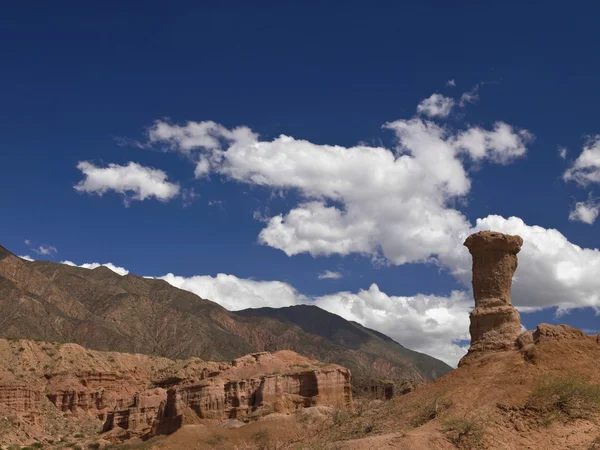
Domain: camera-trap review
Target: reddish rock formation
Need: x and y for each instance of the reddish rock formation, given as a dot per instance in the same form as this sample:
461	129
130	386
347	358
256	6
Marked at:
242	390
21	399
133	395
495	323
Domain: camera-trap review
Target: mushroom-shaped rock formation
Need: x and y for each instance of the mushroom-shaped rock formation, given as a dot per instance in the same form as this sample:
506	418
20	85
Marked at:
495	323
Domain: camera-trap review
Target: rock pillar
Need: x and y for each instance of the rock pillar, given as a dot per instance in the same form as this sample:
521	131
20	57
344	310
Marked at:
495	323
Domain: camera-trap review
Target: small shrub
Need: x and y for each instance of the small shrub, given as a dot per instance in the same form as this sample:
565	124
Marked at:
568	397
263	441
79	436
341	416
431	410
37	445
465	432
94	445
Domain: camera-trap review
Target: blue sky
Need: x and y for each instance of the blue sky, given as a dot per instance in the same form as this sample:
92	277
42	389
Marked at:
112	84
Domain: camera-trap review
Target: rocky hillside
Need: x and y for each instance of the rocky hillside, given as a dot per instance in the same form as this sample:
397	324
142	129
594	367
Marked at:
102	310
538	389
381	356
50	391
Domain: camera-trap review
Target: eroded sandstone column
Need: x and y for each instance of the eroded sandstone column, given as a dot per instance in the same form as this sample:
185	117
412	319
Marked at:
495	323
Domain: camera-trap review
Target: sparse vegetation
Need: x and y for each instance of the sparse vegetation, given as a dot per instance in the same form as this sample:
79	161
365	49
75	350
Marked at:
566	398
431	410
264	441
465	432
94	445
214	440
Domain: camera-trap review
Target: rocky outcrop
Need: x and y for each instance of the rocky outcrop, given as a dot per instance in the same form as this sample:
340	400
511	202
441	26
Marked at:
241	391
545	332
20	398
495	323
137	395
139	417
221	398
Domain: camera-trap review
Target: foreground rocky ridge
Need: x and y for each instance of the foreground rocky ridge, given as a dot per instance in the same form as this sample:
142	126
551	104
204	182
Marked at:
102	310
48	389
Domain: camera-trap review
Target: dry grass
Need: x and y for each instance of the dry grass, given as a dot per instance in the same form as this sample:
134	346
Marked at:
431	409
465	432
566	398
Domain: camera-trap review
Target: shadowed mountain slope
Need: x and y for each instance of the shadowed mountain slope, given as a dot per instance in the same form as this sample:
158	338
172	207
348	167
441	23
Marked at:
377	350
102	310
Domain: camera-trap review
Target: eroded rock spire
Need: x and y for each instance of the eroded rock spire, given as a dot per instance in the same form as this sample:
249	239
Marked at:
495	323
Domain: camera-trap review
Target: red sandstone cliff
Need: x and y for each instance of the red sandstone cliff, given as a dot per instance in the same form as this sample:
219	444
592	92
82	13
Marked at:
135	395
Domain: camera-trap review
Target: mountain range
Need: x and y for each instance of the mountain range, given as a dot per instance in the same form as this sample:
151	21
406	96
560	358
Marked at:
102	310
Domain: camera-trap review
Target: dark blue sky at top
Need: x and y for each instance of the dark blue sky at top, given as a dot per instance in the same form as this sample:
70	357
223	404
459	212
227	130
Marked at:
75	75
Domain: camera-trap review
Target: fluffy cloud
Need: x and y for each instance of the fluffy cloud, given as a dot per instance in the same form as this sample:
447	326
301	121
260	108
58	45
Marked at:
330	275
429	324
451	83
436	106
26	257
584	171
133	181
236	293
361	199
586	168
120	270
552	271
500	145
585	212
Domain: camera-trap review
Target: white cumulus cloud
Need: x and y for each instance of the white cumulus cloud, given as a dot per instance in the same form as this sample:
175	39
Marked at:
586	168
236	293
552	272
425	323
26	257
360	199
133	181
436	105
120	270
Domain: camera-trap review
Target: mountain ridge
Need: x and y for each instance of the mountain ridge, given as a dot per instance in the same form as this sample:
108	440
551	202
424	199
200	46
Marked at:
100	309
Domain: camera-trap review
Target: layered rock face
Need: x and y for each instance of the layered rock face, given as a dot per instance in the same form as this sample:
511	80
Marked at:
131	395
242	390
495	323
21	399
